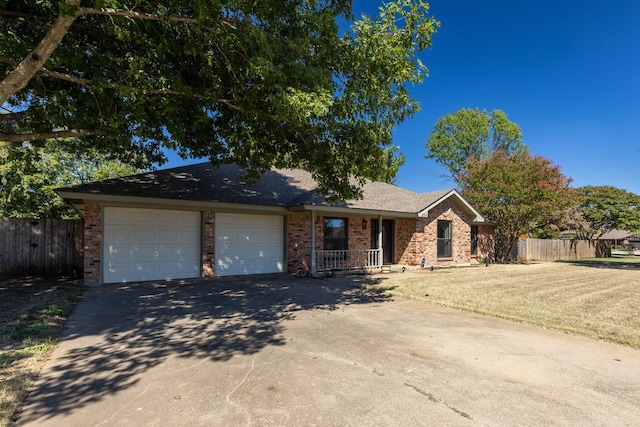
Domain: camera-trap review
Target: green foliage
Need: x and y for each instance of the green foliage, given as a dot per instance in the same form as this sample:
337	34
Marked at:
606	208
518	192
29	174
471	134
260	84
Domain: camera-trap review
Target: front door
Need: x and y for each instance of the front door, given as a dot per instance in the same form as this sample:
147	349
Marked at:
387	238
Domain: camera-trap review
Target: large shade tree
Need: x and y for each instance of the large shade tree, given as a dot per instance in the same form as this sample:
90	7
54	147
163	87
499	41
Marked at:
470	134
606	208
516	191
258	83
29	175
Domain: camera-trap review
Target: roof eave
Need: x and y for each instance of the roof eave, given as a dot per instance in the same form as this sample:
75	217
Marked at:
351	211
478	218
77	199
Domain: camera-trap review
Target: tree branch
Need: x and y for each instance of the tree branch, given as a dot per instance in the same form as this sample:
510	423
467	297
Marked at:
21	16
20	76
35	60
230	105
12	117
131	14
83	11
89	83
51	73
44	135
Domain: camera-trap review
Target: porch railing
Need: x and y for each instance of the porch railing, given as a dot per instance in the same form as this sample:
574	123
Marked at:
348	260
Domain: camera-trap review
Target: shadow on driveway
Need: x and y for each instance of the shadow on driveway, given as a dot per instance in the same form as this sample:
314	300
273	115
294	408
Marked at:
119	331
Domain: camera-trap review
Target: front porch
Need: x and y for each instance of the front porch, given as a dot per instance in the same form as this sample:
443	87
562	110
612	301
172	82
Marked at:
323	241
328	260
349	244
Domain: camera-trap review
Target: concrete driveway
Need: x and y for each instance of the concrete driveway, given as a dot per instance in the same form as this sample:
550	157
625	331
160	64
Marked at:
285	351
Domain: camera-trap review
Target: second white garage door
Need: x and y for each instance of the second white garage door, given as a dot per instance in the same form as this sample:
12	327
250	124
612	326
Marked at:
249	244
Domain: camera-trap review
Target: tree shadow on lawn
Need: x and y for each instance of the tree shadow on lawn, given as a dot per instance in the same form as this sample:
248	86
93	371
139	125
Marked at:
19	294
613	264
120	331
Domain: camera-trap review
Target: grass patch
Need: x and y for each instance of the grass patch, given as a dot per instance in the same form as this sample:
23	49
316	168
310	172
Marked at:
591	298
28	338
422	392
461	413
434	400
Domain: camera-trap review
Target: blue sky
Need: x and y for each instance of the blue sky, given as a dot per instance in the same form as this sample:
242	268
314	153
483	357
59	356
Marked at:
566	71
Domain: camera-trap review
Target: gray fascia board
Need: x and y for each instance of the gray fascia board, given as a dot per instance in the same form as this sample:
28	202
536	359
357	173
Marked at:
153	202
351	211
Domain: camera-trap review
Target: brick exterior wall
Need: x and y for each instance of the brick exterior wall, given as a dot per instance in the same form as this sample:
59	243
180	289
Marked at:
405	242
359	239
298	243
92	244
413	239
208	244
423	242
485	243
427	246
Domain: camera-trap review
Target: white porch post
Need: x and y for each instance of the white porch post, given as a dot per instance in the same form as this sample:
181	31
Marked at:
313	243
380	250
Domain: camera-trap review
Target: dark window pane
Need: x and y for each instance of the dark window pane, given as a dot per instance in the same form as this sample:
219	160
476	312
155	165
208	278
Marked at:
335	234
444	229
474	240
444	248
444	239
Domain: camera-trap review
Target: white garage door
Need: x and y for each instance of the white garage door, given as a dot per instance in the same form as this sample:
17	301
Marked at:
150	244
249	244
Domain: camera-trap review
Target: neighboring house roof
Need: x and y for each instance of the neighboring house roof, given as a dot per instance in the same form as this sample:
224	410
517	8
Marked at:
616	235
279	188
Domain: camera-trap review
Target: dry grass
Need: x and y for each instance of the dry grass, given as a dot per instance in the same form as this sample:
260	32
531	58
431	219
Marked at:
33	316
18	370
600	299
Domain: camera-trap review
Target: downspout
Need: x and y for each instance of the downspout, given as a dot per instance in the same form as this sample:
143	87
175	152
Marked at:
313	243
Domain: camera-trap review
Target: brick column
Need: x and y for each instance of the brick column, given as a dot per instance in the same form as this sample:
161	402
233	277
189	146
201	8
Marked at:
92	244
298	243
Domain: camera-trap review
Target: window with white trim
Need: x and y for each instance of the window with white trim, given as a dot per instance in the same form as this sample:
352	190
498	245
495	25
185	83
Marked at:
444	239
335	234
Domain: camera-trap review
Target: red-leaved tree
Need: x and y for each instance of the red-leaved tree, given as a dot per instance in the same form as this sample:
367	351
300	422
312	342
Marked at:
518	192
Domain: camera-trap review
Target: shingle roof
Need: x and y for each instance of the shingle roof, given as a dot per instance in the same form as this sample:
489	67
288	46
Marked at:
616	235
279	187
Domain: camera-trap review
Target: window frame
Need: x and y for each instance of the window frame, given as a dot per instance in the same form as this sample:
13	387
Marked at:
474	240
444	245
329	243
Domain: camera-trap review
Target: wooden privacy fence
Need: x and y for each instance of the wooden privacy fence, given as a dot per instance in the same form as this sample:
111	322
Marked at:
559	249
40	246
